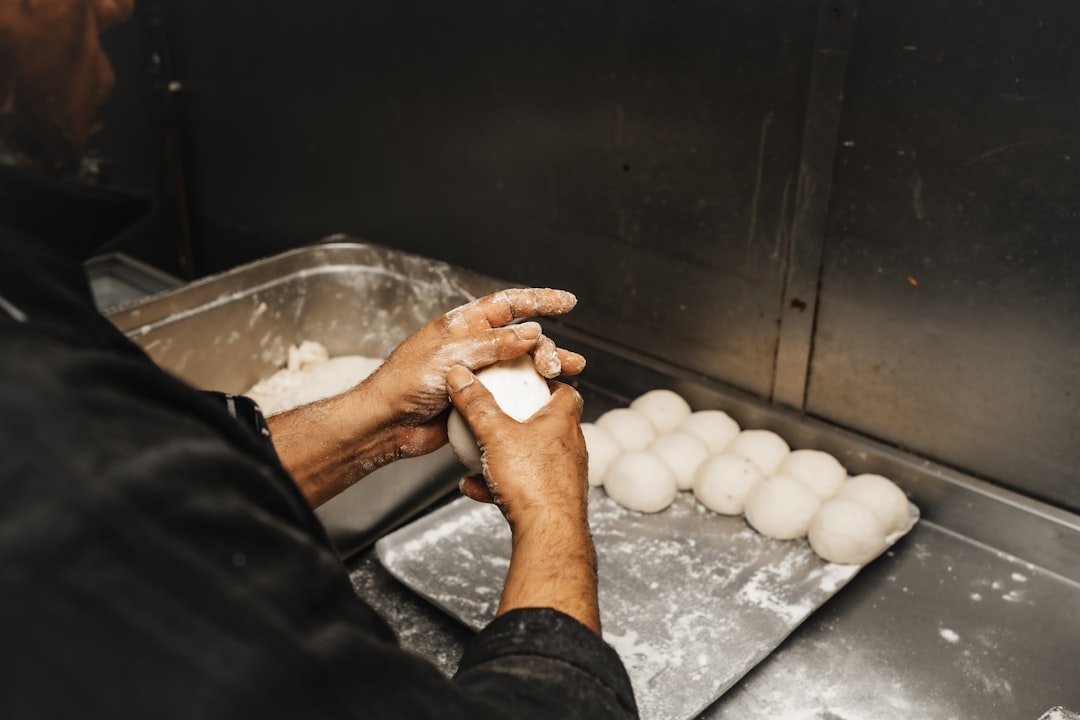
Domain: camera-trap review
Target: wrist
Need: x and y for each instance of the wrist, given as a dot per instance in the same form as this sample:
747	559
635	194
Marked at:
547	523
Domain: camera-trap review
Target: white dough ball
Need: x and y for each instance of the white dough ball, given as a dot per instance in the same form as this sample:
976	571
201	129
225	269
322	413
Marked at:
724	481
821	472
765	448
518	389
665	409
602	451
683	453
847	532
781	507
631	429
641	481
881	495
714	427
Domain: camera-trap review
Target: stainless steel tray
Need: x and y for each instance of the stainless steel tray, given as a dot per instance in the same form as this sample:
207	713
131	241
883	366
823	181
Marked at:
690	600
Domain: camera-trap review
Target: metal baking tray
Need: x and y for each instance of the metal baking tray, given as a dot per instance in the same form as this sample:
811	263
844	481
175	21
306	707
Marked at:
690	600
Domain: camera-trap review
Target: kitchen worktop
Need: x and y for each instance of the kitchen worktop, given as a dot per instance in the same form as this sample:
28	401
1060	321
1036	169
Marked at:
939	627
974	614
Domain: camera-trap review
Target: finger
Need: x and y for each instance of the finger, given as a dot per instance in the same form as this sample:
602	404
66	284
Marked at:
564	399
572	363
546	358
474	488
506	306
474	402
499	344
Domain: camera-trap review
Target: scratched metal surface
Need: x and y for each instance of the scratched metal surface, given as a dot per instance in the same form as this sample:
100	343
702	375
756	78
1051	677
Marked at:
691	600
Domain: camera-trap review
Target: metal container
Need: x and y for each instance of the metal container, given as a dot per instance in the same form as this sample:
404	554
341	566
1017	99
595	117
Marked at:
228	331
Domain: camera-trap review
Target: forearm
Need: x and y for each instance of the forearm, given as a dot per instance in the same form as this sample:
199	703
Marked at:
553	565
329	445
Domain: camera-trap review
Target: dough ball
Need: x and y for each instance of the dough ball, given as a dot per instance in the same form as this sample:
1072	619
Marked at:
714	427
631	429
665	409
781	507
844	531
602	451
724	481
641	481
683	453
765	448
518	389
821	472
882	497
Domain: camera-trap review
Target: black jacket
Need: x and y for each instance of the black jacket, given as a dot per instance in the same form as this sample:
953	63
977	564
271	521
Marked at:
156	560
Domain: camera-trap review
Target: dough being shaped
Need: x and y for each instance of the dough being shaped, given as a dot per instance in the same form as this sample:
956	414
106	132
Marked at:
713	427
781	507
518	389
847	532
821	472
882	497
665	409
602	451
631	429
641	481
683	453
724	481
765	448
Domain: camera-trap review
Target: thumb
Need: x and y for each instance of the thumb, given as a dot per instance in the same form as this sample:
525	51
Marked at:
474	488
475	403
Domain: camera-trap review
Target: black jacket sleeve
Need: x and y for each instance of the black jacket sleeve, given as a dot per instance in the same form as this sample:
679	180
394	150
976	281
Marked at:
157	561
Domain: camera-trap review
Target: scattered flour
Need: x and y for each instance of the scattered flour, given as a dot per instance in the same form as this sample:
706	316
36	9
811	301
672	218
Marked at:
949	635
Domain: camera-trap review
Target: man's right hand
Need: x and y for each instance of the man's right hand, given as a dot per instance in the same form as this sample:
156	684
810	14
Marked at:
536	472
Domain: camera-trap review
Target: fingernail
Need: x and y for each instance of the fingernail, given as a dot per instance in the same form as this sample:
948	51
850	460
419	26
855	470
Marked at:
459	378
528	331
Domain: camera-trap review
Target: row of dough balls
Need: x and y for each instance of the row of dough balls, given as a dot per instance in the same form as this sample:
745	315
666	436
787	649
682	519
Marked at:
643	455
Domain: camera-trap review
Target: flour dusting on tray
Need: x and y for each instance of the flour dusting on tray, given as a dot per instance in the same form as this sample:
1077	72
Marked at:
310	375
690	600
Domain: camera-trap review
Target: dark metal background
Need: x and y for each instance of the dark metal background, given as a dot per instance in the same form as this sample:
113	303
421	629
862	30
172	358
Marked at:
872	217
638	154
959	169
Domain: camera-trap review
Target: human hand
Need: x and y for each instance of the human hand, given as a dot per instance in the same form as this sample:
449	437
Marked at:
536	473
412	382
533	470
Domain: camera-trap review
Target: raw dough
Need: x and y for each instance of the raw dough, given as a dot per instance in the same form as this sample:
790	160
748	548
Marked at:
683	453
665	409
882	497
781	507
641	481
724	481
602	451
821	472
765	448
631	429
715	428
518	389
844	531
310	375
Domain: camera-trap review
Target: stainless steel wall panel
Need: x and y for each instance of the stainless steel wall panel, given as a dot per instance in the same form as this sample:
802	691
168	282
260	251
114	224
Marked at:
949	316
641	154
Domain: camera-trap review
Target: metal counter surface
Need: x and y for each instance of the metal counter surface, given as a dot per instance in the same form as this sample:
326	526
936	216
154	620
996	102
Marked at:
942	626
949	624
939	627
